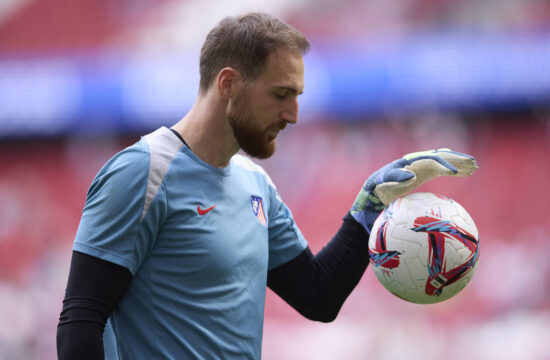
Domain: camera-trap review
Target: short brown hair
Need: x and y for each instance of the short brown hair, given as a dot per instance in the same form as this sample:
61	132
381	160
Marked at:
243	43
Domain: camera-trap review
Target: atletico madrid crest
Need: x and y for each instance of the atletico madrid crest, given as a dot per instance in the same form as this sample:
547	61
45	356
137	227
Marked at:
258	209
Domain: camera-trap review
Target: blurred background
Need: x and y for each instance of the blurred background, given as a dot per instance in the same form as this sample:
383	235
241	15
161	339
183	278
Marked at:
80	80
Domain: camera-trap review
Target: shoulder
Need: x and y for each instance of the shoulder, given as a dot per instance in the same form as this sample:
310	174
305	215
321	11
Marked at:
152	154
145	162
129	162
247	164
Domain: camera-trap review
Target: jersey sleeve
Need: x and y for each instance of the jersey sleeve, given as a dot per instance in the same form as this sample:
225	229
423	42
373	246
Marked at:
115	225
285	238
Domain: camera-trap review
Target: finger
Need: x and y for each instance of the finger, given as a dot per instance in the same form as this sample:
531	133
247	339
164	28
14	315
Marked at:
465	164
398	175
427	169
443	162
449	151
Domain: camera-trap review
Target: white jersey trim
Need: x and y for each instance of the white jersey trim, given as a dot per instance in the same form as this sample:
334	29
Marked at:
163	147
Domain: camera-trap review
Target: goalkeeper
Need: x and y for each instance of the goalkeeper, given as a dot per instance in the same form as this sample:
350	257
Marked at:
180	236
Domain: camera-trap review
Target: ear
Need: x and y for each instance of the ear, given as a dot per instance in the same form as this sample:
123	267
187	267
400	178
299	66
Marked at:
228	79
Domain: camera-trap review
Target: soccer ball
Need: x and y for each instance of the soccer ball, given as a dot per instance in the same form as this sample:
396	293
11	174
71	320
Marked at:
424	248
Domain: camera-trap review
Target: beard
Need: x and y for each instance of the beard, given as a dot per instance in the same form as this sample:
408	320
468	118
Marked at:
251	137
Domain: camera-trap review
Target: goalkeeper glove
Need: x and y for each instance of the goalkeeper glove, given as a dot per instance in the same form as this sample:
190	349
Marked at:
403	176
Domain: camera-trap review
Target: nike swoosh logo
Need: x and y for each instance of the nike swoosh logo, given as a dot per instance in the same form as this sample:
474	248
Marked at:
204	211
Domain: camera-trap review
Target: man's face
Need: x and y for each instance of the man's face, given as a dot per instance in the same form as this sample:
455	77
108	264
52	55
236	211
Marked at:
267	104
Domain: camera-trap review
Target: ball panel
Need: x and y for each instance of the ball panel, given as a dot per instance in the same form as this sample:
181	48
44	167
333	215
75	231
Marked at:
423	248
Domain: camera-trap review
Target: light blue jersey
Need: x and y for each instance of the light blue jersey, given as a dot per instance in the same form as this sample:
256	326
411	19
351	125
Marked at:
198	240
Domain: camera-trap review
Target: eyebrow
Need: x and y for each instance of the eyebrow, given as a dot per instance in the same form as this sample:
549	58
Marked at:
290	89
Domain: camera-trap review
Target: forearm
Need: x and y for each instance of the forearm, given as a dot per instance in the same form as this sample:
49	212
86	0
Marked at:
317	286
94	288
80	340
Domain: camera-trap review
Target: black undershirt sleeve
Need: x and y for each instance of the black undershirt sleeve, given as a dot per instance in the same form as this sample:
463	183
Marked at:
317	286
94	288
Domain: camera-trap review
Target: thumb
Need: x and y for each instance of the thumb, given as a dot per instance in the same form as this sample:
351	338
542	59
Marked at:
390	190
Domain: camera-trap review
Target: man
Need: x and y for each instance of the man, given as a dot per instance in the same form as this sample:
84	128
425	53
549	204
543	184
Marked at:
180	236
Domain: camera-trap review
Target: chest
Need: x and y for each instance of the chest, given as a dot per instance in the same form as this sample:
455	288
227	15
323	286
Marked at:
216	229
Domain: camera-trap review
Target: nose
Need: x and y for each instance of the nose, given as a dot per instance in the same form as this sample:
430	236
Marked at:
290	113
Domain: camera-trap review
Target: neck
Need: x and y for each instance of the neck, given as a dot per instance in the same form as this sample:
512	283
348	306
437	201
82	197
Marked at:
207	132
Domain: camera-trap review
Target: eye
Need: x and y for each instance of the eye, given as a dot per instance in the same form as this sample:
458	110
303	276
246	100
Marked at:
280	95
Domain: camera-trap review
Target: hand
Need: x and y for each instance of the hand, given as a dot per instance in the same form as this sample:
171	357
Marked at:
403	176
